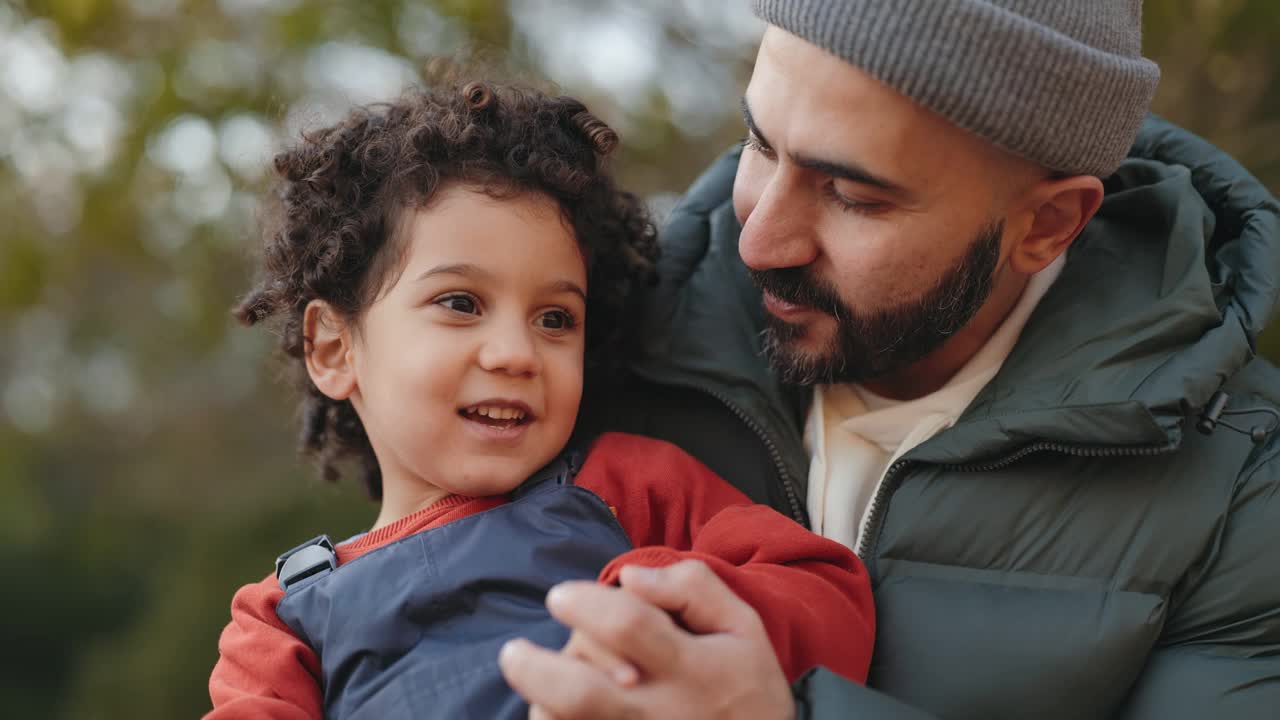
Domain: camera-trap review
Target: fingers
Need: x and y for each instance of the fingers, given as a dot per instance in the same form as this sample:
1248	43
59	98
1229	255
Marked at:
693	593
593	653
559	686
622	624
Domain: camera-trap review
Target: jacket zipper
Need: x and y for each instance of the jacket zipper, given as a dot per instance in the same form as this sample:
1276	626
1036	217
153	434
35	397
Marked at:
867	544
788	486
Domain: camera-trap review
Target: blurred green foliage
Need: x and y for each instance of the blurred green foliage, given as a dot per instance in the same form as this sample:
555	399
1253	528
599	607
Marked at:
146	465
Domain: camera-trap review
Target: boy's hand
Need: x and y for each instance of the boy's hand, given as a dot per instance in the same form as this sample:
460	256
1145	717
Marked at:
723	666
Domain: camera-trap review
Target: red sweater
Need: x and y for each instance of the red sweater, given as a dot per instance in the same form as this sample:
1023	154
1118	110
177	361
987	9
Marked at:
812	593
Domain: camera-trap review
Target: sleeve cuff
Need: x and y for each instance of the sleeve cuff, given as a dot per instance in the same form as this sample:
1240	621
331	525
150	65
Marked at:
652	556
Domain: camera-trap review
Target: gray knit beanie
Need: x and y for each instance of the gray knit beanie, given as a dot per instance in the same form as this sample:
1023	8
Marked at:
1059	82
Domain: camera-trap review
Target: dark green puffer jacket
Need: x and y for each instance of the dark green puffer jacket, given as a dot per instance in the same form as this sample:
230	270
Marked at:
1073	547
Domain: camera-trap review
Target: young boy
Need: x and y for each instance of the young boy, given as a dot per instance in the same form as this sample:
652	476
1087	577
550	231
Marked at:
430	265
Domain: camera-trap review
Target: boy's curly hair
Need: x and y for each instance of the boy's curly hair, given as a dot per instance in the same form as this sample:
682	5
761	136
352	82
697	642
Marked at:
340	193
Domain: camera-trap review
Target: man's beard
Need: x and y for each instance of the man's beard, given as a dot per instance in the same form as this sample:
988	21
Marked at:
869	345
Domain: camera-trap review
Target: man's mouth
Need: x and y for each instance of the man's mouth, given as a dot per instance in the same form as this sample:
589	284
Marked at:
794	292
503	415
783	308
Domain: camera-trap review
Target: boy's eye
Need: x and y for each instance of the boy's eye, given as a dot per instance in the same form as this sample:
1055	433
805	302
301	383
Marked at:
556	320
459	303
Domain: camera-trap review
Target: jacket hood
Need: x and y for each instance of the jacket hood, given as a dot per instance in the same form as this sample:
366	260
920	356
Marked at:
1160	304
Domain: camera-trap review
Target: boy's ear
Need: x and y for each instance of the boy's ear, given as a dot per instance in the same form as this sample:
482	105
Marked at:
327	349
1057	209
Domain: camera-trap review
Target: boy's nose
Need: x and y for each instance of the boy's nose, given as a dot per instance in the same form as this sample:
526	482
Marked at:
511	352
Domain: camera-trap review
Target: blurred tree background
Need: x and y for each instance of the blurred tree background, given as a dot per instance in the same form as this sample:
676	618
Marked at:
146	455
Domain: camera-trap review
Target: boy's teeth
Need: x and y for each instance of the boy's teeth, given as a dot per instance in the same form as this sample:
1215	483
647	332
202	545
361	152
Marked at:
496	413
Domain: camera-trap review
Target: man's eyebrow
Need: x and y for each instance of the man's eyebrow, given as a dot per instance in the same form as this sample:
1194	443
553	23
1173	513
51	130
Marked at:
843	170
853	173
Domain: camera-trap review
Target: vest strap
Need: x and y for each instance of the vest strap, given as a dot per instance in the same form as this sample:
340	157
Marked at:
318	557
559	471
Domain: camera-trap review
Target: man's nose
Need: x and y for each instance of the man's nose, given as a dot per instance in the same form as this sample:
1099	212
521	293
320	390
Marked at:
510	349
779	229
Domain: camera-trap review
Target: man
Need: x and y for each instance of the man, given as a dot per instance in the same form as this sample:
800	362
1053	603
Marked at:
997	305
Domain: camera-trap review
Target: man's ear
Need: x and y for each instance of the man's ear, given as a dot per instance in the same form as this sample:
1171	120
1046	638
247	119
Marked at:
327	348
1055	211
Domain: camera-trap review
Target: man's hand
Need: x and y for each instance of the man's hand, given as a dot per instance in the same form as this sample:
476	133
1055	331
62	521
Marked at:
722	666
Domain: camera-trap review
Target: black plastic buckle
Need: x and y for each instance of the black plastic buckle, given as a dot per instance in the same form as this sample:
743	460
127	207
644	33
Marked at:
312	557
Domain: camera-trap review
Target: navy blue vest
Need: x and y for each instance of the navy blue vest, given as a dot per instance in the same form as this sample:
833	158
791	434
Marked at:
413	629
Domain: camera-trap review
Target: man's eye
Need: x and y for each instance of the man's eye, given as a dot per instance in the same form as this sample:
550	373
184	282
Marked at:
557	320
751	142
464	304
853	206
